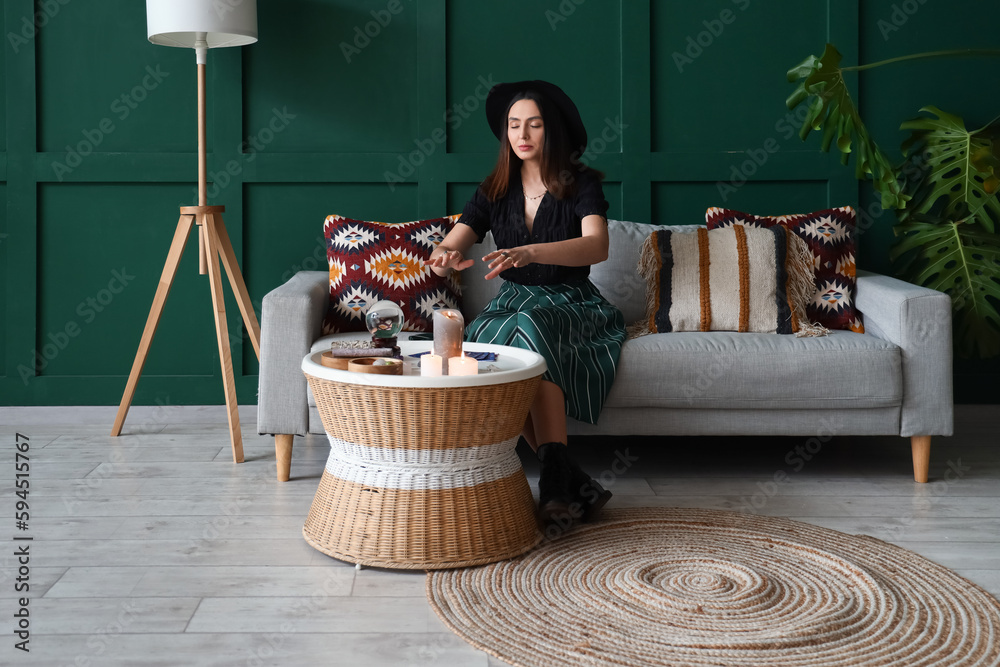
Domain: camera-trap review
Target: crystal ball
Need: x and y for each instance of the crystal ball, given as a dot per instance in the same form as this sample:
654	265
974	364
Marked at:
384	319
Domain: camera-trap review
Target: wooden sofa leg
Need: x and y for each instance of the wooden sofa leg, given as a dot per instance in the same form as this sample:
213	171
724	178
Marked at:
921	446
283	455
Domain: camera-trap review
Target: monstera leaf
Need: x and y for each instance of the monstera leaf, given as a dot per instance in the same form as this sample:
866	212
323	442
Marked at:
958	166
963	261
833	112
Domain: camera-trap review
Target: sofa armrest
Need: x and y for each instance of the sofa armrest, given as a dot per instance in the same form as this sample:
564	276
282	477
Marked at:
918	320
291	320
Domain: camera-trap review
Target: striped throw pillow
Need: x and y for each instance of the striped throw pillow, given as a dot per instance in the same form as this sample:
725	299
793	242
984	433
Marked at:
734	279
830	236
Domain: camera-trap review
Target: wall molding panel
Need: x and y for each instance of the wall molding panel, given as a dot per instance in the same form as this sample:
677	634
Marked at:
326	114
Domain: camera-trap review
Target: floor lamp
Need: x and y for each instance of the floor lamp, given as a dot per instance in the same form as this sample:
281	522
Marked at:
201	25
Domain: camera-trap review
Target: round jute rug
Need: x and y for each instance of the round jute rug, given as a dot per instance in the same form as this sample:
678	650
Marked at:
702	587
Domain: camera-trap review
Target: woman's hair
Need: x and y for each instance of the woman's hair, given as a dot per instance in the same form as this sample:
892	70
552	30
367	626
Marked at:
560	162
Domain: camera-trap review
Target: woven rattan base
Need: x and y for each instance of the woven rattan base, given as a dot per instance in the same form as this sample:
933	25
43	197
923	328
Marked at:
422	529
422	477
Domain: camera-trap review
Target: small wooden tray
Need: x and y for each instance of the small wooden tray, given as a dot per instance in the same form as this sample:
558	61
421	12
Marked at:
330	361
367	365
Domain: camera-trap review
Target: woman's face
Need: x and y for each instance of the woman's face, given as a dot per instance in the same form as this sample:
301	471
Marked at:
525	130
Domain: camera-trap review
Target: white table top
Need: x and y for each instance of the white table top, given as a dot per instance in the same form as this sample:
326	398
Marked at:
512	364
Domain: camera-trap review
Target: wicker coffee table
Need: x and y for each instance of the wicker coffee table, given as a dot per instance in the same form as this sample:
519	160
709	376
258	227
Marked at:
422	471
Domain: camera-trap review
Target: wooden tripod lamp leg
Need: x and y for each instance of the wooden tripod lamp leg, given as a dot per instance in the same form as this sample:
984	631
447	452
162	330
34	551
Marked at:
222	333
238	285
159	299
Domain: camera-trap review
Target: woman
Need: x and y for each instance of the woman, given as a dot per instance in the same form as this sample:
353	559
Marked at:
547	215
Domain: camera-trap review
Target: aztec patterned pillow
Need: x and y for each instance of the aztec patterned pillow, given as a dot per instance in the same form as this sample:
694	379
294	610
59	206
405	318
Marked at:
736	279
370	261
830	236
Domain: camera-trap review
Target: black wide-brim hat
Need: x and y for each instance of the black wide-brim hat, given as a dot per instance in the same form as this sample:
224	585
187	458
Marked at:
501	94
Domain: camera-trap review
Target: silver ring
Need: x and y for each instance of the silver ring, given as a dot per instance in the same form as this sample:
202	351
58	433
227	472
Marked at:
505	254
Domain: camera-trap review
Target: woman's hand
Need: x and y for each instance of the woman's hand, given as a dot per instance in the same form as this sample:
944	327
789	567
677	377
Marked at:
449	259
508	258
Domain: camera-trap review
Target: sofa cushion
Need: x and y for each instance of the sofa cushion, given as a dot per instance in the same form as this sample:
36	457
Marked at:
618	278
370	261
476	290
721	369
830	236
733	279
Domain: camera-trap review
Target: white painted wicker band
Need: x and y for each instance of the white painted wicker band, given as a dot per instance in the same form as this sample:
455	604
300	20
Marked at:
418	457
495	462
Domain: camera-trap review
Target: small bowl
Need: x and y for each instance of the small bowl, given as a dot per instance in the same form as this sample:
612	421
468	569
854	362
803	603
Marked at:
367	365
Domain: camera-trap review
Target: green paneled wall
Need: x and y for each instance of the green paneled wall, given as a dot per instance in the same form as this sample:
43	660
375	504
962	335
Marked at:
8	48
968	87
4	245
708	62
319	118
4	233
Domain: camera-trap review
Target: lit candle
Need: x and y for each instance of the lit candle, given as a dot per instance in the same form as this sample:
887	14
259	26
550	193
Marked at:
430	365
448	328
463	365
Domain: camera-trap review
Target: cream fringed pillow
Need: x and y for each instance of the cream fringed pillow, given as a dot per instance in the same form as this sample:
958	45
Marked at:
733	279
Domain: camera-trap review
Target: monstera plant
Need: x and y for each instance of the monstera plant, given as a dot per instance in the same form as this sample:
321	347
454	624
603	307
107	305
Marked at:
944	190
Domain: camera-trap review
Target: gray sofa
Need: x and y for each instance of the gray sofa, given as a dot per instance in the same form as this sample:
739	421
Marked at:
895	379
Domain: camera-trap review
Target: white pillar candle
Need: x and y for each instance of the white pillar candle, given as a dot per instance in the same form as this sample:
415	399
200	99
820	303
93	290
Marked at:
463	365
449	326
430	365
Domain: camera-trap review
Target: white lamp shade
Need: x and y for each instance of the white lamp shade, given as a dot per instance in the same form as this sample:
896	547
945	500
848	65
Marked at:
218	22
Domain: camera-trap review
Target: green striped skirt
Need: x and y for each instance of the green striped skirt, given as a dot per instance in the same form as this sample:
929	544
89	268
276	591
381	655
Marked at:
572	326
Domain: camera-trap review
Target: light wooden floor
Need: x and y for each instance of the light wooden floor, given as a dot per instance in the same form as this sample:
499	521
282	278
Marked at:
155	549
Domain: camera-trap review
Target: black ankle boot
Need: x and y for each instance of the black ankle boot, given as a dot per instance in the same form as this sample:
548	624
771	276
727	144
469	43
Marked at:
590	494
558	506
582	499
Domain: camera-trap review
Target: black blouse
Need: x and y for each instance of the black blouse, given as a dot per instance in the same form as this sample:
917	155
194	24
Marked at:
555	220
